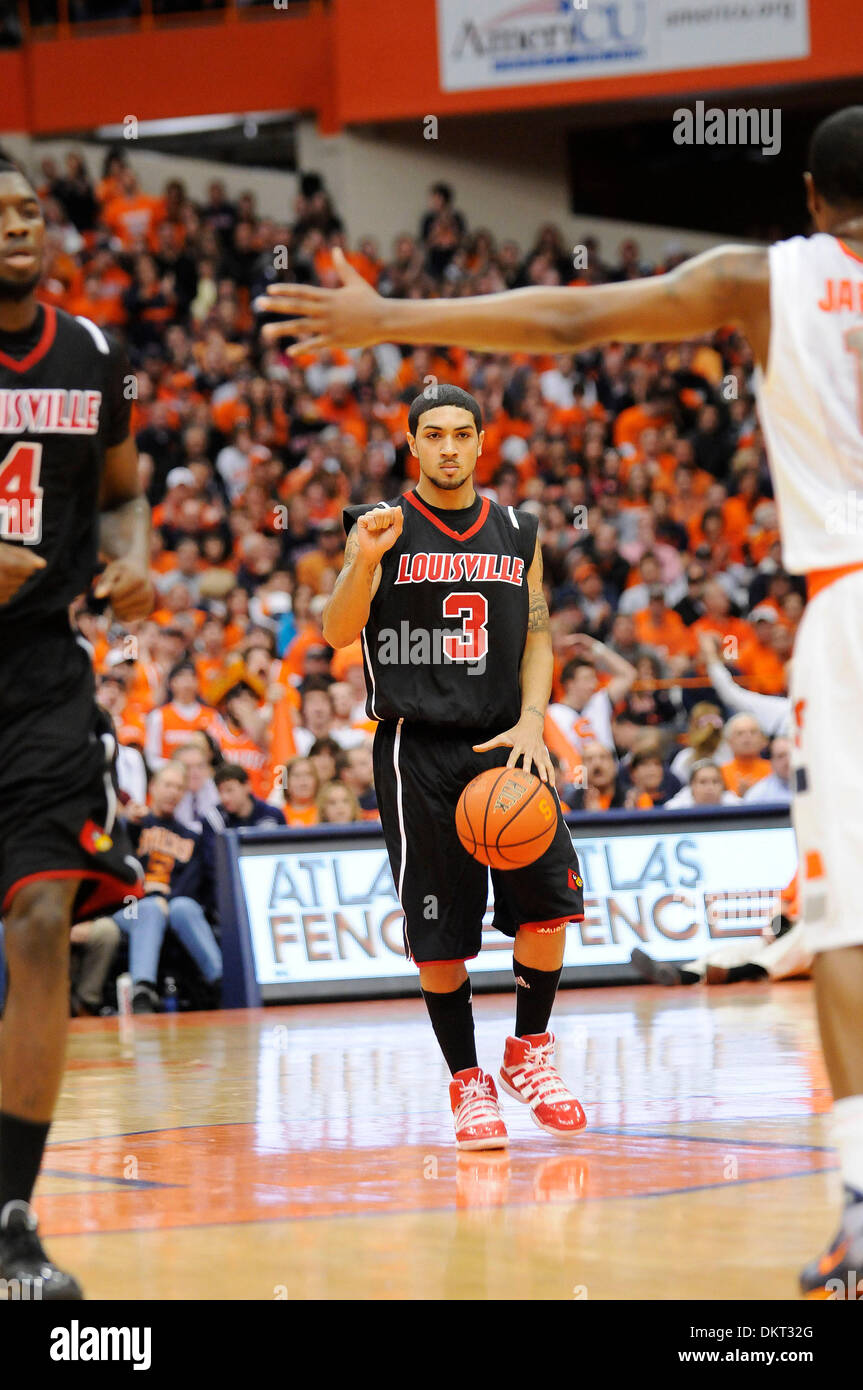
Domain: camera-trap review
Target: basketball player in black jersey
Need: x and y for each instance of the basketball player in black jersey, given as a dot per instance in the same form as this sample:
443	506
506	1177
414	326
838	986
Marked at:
445	588
68	491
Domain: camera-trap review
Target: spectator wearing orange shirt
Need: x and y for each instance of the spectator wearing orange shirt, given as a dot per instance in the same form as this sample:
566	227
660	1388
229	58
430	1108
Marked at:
761	666
329	554
733	633
110	185
129	724
132	216
738	510
169	725
298	798
654	410
243	736
661	628
744	736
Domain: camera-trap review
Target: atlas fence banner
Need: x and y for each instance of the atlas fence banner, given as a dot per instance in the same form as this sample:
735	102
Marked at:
503	43
316	916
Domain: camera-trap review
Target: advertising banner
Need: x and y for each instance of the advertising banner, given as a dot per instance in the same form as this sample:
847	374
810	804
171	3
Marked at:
504	43
328	912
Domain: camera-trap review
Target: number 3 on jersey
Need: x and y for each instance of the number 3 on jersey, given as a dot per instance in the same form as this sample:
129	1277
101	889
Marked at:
471	644
20	494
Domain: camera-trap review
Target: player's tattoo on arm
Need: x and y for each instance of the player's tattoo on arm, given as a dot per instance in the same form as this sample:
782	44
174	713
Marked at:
352	550
534	709
537	613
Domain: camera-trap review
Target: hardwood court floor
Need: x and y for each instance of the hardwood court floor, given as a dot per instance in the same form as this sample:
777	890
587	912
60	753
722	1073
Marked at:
307	1152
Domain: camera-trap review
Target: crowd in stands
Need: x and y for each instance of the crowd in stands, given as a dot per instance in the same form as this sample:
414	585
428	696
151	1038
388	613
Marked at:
672	618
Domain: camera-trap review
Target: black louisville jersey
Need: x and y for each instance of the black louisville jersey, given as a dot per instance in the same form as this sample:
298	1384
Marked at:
62	404
446	630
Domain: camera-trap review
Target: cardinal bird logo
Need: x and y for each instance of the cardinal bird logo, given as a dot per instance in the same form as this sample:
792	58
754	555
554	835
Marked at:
574	880
94	839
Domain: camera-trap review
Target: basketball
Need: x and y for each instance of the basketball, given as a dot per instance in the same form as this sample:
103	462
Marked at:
506	818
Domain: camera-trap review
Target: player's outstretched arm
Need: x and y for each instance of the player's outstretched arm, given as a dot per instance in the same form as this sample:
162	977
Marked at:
124	535
537	669
347	609
727	285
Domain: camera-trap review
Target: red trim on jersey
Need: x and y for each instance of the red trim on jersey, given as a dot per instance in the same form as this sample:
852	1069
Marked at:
552	924
110	888
459	960
447	530
49	329
848	252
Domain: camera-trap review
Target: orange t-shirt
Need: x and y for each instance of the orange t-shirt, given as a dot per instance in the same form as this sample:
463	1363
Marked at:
131	726
741	773
176	728
239	748
128	218
670	633
300	815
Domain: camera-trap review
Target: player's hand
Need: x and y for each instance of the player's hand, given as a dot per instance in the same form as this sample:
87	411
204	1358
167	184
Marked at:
525	739
378	531
128	589
321	318
17	563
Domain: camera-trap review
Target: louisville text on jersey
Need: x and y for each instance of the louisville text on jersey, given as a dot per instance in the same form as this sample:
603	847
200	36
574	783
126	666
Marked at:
444	567
52	410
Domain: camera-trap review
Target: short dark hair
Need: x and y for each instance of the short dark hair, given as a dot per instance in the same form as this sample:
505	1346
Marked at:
443	395
9	166
230	772
571	667
443	190
316	685
325	745
183	665
836	157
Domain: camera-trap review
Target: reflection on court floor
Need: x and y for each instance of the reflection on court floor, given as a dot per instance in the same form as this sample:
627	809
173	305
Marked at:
307	1152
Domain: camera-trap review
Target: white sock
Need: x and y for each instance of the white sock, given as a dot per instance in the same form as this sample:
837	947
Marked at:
848	1137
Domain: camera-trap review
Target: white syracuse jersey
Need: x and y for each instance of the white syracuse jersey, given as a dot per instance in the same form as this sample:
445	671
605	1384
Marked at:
810	401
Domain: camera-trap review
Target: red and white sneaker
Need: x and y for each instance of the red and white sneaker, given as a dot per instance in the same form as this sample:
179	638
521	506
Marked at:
529	1074
477	1117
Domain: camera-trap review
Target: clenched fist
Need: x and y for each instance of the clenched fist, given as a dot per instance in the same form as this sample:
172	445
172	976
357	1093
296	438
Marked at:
128	589
17	563
378	531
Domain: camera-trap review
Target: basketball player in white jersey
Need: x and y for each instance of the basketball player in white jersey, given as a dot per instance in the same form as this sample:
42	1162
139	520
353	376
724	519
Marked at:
800	304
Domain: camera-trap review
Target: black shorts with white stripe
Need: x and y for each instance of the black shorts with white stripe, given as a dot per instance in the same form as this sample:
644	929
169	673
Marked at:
420	773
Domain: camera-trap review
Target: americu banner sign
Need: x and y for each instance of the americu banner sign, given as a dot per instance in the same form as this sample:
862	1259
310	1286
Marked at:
503	43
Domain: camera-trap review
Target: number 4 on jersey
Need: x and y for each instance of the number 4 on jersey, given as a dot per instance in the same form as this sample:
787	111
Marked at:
20	494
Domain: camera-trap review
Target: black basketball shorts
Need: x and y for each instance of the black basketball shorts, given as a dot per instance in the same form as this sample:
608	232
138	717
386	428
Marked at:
420	773
58	791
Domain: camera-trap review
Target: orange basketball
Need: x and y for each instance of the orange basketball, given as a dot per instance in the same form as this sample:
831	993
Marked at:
506	817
